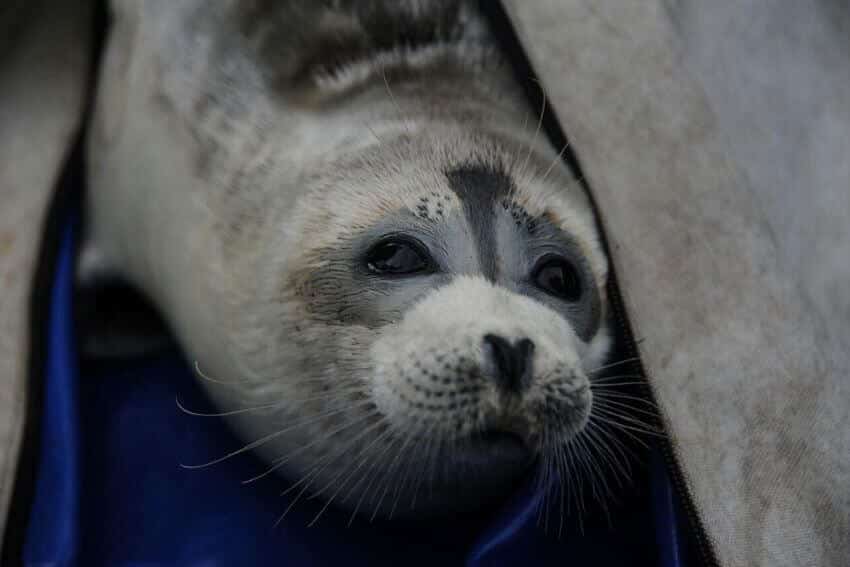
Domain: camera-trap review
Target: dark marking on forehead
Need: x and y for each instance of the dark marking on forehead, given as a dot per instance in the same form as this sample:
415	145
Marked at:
479	188
432	207
521	218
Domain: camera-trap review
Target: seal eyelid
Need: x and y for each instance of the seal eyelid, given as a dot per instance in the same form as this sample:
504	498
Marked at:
398	255
558	277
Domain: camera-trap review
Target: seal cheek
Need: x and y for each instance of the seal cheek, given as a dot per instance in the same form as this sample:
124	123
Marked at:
563	404
426	385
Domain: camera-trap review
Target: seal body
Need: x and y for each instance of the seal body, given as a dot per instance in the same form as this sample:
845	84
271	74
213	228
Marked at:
347	217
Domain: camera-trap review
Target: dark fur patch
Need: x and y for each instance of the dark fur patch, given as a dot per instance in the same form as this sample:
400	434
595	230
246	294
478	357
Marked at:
479	188
299	39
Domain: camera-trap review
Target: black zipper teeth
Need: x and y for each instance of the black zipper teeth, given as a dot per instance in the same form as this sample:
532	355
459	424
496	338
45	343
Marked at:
524	70
680	485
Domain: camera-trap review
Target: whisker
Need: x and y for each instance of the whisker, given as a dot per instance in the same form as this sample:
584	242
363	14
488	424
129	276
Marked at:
515	157
311	474
350	443
552	466
604	394
612	405
624	451
280	461
558	473
595	452
372	478
308	479
340	393
613	364
201	374
622	469
542	475
586	462
363	457
557	489
204	376
615	376
554	162
566	488
575	476
408	466
605	406
270	436
435	461
225	413
616	441
541	487
392	470
603	384
536	133
431	451
372	131
400	486
362	451
609	496
294	501
611	399
394	101
629	429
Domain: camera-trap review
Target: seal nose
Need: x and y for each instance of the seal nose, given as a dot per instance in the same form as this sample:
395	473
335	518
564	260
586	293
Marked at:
513	362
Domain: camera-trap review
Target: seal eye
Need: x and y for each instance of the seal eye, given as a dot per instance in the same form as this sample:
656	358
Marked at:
560	278
396	257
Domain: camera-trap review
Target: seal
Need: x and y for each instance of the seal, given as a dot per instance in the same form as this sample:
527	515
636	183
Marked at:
346	216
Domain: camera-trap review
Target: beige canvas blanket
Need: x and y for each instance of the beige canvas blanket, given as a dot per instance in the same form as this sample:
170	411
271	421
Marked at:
715	137
724	189
43	58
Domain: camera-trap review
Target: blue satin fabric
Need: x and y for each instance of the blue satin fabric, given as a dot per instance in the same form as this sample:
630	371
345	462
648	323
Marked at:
110	489
54	530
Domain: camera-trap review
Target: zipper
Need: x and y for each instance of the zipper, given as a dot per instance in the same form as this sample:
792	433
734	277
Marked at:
704	547
524	71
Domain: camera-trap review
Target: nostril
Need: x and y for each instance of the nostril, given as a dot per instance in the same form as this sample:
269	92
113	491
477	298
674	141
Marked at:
513	362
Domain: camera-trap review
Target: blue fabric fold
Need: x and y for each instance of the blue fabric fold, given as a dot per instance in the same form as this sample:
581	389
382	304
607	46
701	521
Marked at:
54	529
110	489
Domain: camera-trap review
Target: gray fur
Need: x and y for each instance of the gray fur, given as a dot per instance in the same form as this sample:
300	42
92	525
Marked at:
238	180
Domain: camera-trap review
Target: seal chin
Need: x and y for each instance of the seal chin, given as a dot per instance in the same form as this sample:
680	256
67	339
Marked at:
482	470
507	450
486	464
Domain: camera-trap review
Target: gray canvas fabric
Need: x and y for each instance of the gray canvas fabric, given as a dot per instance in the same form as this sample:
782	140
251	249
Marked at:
43	57
723	189
777	73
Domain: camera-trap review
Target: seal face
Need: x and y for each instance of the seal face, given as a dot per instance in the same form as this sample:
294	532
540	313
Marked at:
465	315
400	283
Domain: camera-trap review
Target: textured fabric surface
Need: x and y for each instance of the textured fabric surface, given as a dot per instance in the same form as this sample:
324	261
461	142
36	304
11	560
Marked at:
728	278
42	71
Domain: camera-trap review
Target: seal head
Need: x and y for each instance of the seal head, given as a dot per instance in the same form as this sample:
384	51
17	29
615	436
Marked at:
443	306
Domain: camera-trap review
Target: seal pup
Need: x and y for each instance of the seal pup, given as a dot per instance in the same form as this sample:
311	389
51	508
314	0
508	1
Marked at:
345	214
